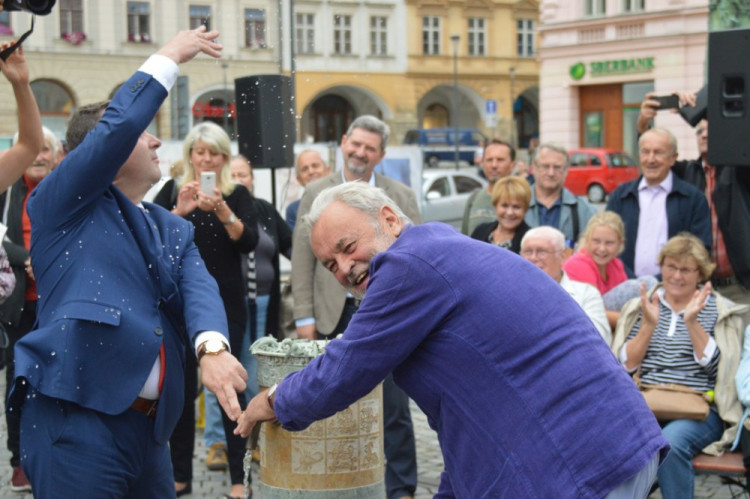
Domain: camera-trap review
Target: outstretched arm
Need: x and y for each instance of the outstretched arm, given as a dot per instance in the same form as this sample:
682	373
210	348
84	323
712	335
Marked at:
30	137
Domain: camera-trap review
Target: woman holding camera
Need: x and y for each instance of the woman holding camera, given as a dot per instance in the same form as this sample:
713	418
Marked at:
225	229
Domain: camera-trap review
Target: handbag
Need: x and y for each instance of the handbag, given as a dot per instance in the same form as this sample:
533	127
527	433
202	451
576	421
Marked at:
672	401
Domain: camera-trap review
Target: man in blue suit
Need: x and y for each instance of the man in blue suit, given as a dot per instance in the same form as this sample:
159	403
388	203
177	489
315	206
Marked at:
122	289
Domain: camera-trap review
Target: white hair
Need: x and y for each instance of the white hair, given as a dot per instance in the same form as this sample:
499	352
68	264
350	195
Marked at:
359	195
49	136
548	233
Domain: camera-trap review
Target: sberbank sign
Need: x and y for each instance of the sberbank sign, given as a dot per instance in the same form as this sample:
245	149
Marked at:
612	67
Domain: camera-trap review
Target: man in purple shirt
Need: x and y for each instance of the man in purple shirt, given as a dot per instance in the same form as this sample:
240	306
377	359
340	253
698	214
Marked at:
526	398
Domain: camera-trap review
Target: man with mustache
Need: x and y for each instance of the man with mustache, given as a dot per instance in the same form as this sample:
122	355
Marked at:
322	308
527	399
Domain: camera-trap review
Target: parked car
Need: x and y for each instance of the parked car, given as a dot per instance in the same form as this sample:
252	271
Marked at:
444	194
596	172
439	144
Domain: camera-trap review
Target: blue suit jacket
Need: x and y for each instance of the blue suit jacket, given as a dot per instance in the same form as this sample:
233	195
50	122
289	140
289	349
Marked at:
113	281
687	211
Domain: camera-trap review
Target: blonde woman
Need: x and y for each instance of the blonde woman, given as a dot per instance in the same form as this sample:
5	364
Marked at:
684	332
596	263
225	230
510	197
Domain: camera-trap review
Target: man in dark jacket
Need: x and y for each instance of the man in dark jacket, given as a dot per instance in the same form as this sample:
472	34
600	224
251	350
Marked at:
727	190
657	205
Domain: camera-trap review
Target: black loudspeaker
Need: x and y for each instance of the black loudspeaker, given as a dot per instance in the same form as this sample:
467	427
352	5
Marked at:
728	98
265	120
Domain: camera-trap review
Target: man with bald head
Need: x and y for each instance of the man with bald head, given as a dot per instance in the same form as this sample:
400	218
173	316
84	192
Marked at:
657	205
309	167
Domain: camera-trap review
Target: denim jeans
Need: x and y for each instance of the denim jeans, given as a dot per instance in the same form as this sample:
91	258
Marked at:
214	431
687	437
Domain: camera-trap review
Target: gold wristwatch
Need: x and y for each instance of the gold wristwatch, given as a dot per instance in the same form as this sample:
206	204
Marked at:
211	347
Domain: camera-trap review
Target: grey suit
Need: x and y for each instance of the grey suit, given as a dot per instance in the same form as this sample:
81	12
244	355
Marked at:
316	292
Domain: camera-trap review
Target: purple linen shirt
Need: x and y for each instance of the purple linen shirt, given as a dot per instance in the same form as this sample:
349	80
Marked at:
526	398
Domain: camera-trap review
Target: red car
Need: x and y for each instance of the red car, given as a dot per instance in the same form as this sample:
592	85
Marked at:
596	172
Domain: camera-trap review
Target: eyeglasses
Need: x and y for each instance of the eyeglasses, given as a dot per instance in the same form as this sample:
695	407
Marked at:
549	168
540	252
672	269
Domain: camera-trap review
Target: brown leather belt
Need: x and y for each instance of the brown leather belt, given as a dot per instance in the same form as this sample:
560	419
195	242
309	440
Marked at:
146	406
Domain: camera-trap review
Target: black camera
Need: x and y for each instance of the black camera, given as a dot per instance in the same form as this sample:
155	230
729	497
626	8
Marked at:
39	7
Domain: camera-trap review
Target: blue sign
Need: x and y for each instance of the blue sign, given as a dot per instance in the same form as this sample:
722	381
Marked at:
490	106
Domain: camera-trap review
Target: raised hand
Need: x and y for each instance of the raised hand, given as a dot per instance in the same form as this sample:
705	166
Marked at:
15	68
697	302
189	43
650	308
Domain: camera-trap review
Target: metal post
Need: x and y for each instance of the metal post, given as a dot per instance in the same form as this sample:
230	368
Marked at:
455	39
512	74
227	100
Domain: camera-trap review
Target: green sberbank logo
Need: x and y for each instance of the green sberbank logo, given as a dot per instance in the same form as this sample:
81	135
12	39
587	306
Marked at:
577	71
612	67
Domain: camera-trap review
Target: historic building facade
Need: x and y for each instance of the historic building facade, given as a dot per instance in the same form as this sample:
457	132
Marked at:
391	58
600	57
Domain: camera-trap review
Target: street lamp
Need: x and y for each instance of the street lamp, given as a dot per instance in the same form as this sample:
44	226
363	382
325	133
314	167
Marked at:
454	41
227	99
512	74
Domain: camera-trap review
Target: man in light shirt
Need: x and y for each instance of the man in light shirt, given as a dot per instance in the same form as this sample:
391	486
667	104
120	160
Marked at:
657	205
544	247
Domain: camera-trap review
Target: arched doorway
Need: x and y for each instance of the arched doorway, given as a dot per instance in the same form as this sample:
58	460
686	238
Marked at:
331	115
218	107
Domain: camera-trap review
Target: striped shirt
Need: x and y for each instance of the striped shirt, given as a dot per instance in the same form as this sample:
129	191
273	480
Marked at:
670	357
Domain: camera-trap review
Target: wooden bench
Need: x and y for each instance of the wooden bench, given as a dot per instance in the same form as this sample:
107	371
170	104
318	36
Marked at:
728	466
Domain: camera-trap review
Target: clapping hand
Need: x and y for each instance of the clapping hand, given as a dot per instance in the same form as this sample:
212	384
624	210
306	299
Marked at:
649	308
697	302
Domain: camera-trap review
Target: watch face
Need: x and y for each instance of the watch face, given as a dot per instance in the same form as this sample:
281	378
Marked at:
214	346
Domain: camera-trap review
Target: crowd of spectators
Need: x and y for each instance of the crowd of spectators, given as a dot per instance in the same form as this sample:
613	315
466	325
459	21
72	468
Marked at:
662	272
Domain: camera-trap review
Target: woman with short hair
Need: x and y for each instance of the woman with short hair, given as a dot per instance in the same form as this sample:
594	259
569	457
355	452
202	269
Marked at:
684	332
510	197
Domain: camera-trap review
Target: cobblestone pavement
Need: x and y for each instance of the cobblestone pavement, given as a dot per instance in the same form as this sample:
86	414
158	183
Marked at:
212	484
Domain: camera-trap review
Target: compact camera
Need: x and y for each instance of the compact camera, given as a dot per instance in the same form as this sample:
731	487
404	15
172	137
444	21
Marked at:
39	7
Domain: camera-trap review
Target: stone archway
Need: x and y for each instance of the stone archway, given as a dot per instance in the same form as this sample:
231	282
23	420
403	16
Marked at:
435	108
327	116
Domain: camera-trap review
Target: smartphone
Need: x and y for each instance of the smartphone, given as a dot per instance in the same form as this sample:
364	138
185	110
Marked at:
668	101
208	182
